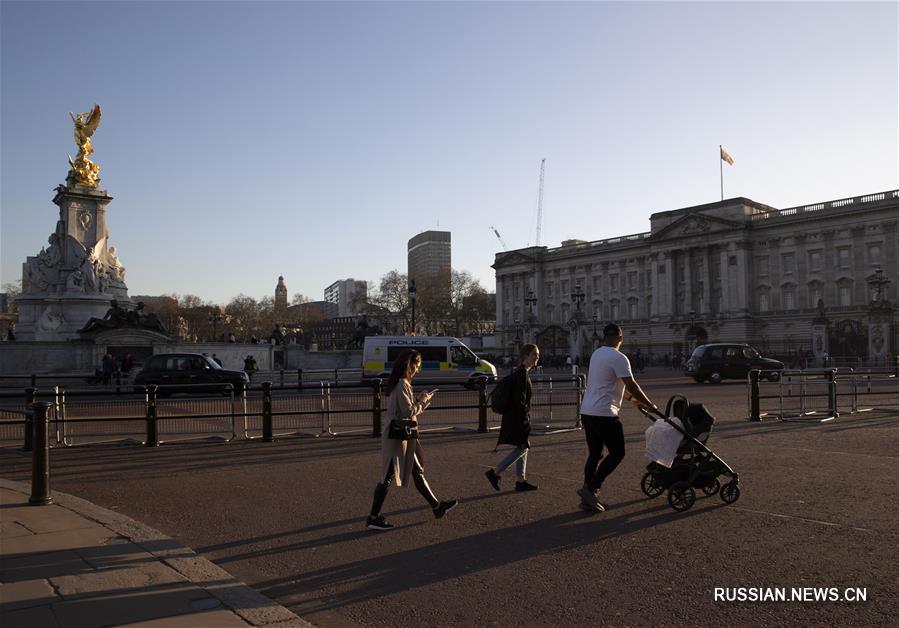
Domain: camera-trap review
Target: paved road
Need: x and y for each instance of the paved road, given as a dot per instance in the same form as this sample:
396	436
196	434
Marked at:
817	510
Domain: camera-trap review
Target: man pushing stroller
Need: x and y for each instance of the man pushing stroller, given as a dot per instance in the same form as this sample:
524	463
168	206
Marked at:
609	381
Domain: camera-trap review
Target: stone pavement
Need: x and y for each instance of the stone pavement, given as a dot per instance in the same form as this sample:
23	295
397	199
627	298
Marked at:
74	564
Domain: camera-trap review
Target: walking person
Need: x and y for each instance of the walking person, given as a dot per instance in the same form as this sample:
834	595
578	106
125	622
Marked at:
516	423
609	380
399	457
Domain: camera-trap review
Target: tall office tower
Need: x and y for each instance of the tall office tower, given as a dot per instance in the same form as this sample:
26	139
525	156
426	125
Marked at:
429	255
348	295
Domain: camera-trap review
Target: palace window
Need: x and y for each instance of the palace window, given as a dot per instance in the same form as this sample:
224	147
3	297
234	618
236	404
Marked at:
788	263
761	264
632	309
789	297
843	256
814	261
613	310
814	294
597	284
845	293
613	283
763	301
874	253
632	280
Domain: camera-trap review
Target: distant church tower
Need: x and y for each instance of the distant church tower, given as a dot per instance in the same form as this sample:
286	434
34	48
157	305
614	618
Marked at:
281	294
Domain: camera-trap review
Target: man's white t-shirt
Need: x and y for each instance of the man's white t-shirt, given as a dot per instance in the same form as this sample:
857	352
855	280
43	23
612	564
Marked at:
605	390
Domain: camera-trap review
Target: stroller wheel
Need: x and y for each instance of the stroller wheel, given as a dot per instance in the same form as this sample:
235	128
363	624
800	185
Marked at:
730	492
711	489
681	496
651	486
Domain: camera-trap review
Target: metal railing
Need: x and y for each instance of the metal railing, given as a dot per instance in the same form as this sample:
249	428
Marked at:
154	415
822	394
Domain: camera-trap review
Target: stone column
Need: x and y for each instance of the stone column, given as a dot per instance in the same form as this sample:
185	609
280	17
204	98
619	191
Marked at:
688	280
724	306
828	254
858	269
742	276
654	285
706	279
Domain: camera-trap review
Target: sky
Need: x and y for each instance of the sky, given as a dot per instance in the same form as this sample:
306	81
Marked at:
246	140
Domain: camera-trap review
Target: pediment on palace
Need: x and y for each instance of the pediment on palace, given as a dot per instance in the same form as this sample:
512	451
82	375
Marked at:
511	258
695	224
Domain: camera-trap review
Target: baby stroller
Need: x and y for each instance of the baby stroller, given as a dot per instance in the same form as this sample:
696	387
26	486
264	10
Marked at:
695	466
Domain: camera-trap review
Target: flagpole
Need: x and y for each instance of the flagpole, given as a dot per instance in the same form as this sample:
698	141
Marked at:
721	170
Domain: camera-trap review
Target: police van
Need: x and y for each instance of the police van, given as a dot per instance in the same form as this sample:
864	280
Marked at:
442	357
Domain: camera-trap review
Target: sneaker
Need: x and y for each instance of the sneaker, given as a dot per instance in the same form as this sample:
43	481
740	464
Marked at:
525	486
588	497
378	523
493	478
445	507
588	508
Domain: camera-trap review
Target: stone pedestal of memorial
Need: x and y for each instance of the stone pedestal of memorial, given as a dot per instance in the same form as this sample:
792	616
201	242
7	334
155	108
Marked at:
77	276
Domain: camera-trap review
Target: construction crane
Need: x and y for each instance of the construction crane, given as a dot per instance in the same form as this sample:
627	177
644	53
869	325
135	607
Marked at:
500	238
540	202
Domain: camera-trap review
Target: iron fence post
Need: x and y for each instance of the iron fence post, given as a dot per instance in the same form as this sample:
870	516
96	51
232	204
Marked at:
754	410
152	435
376	409
40	457
30	394
267	436
482	406
832	393
581	388
299	379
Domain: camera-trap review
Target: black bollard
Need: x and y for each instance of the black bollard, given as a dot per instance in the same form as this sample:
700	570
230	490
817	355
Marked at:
267	436
376	410
754	410
40	457
152	434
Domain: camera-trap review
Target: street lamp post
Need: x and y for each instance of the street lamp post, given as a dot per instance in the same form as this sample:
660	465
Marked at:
595	335
413	295
214	320
577	297
878	283
531	302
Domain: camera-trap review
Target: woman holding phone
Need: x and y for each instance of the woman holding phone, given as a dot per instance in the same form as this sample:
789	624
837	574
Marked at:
516	423
400	457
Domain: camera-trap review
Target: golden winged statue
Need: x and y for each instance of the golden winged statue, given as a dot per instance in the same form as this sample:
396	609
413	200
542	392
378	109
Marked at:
84	171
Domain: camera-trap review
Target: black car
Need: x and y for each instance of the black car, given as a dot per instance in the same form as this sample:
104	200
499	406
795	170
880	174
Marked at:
188	372
715	362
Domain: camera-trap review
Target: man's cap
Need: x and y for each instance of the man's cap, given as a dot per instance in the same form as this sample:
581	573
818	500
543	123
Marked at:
612	330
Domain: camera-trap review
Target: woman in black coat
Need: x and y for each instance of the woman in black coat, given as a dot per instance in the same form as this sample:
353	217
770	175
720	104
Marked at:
516	424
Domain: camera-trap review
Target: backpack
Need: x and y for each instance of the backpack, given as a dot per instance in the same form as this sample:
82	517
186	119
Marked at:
501	395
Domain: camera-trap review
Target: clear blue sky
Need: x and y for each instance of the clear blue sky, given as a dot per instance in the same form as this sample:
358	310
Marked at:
243	140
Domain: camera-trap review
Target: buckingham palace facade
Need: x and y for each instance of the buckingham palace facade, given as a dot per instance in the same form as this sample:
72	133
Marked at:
819	278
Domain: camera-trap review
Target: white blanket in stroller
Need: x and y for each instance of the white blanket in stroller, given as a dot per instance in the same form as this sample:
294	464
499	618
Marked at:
662	441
